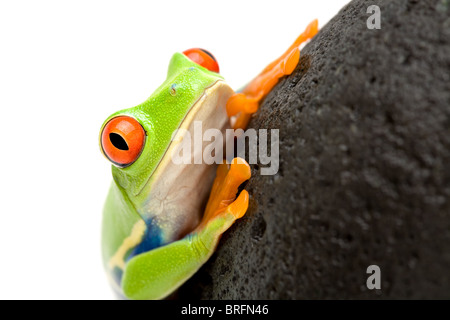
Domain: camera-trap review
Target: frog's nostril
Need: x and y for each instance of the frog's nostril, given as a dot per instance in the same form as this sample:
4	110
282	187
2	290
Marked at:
118	141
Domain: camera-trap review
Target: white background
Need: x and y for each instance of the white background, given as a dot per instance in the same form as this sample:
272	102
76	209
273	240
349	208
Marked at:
66	66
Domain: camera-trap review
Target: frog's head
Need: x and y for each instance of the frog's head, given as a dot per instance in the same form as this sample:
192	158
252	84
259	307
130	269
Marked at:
135	140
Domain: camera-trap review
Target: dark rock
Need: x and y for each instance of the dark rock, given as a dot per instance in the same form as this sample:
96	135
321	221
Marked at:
364	175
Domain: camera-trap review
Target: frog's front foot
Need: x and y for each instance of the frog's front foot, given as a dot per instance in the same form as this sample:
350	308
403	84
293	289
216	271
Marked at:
223	208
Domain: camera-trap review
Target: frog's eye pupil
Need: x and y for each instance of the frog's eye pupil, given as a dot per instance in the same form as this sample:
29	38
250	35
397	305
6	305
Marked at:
209	54
122	140
118	141
203	58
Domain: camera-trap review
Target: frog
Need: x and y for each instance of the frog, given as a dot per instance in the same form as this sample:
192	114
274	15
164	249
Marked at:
163	220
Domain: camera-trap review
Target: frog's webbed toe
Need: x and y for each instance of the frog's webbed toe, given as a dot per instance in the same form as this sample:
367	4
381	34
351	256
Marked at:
222	200
244	104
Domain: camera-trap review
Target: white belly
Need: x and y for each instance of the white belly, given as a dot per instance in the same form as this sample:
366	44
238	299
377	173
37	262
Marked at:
180	191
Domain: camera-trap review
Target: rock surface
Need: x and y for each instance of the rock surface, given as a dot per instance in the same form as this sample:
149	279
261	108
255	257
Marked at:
364	168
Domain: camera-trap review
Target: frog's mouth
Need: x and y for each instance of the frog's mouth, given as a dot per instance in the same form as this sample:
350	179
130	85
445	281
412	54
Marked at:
178	192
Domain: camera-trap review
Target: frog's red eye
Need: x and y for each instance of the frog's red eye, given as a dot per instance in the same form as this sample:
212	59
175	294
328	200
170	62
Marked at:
122	140
203	58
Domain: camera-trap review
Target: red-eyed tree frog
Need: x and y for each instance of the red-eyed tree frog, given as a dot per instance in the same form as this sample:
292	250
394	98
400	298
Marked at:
157	231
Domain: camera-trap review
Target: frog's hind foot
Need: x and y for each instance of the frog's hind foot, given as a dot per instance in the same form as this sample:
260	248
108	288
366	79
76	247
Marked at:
244	104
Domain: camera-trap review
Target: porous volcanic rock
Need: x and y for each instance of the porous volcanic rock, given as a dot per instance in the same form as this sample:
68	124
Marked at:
364	174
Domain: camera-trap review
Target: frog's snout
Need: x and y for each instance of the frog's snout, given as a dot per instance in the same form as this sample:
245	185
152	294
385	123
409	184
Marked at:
122	140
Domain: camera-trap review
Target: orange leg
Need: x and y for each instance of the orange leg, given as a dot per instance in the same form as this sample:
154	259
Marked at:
223	208
247	102
224	190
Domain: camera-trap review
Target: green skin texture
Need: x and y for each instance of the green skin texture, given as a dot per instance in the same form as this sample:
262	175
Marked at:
157	273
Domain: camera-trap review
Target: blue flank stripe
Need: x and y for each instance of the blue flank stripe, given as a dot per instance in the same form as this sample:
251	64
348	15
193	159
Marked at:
152	239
